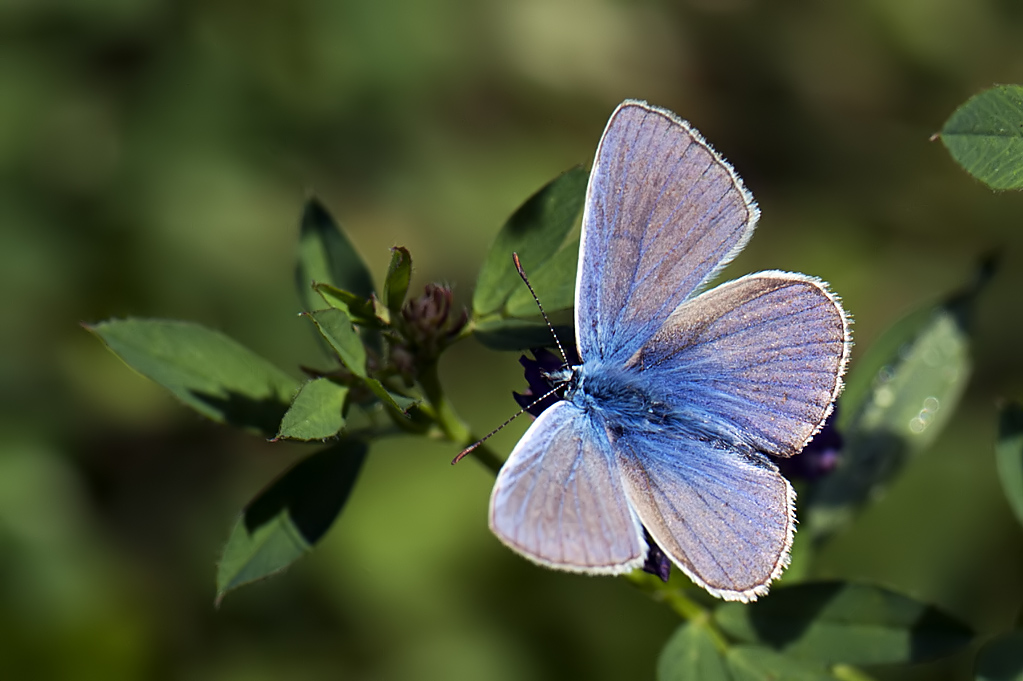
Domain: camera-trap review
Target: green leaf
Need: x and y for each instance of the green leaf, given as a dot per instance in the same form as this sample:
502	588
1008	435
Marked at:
836	622
844	672
203	368
1001	659
910	401
554	284
754	663
336	328
899	397
535	231
326	256
399	403
288	518
316	413
360	310
399	274
985	136
1009	455
691	653
521	334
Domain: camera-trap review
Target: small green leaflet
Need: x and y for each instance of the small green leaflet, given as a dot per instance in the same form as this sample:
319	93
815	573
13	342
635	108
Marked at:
985	136
325	255
399	274
288	518
361	311
316	413
337	329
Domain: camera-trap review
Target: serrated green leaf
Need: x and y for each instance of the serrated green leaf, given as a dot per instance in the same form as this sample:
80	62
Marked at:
836	622
554	283
900	396
205	369
287	519
985	136
336	328
360	310
325	255
399	274
691	654
316	412
1009	455
755	663
1001	659
536	232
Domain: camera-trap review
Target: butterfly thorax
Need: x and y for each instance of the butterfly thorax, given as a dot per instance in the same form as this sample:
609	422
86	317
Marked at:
623	399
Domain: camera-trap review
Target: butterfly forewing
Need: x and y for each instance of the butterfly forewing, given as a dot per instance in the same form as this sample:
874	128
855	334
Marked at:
559	499
663	214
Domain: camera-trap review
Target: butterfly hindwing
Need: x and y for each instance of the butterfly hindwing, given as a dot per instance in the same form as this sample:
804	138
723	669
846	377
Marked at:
759	359
664	213
559	499
723	516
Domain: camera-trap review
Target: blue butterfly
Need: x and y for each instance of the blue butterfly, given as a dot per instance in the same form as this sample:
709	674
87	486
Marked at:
681	394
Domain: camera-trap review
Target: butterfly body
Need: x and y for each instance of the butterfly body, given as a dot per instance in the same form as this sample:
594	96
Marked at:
682	392
622	399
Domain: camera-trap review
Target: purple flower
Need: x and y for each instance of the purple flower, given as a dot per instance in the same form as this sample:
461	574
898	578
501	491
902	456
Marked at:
426	325
428	321
537	371
657	562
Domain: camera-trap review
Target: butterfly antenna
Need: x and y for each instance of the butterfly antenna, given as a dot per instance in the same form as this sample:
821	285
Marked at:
522	273
520	412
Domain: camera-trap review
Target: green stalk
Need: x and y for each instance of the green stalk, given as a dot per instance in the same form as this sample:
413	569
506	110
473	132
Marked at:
676	599
453	427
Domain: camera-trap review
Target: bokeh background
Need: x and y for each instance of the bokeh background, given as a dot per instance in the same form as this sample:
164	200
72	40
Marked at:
154	158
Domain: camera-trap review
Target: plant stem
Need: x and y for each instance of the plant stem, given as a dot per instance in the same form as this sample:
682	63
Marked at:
675	598
453	427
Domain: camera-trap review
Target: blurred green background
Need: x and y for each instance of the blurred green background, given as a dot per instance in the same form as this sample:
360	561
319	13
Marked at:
154	158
